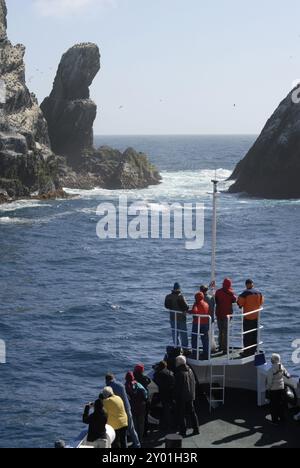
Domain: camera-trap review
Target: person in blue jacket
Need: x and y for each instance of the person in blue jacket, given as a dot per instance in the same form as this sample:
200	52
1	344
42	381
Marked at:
119	390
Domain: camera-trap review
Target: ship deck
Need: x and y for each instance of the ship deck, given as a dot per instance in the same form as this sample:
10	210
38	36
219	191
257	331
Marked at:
238	424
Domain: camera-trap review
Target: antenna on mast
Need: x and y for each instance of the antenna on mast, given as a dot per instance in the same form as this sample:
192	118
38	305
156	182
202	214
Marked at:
214	232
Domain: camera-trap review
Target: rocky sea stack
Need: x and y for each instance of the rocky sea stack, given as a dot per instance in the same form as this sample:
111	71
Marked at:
27	164
45	149
70	114
271	169
69	111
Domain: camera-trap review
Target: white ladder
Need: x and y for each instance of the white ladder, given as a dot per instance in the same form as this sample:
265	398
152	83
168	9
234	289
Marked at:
218	377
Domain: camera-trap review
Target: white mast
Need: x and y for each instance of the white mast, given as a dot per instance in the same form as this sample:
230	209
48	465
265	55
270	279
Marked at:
214	232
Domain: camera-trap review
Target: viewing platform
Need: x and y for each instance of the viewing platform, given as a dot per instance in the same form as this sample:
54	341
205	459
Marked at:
241	367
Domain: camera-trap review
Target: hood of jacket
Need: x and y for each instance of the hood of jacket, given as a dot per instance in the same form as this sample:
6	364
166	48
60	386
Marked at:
199	298
227	285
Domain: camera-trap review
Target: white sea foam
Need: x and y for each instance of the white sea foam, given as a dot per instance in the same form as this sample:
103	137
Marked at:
174	186
22	204
8	220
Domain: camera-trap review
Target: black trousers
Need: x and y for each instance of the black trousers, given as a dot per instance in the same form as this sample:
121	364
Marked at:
251	338
185	411
121	439
166	422
278	406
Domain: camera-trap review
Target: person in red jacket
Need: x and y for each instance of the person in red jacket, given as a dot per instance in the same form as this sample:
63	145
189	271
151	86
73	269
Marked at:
200	308
225	298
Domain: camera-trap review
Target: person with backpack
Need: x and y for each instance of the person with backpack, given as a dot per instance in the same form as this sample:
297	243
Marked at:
140	377
138	397
225	298
185	396
175	302
275	386
145	381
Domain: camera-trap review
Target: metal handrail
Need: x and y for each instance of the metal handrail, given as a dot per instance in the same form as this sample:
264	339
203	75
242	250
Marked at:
199	334
232	319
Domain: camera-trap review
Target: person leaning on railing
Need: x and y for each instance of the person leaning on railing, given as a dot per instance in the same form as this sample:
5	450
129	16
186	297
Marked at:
225	298
200	324
251	300
176	302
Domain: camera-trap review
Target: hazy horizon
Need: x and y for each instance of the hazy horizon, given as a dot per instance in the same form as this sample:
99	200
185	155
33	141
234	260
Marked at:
176	134
168	67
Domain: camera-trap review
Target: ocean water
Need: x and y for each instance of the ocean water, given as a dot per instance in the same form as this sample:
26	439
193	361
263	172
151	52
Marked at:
74	307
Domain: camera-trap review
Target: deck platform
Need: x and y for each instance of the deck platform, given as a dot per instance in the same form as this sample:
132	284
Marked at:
238	424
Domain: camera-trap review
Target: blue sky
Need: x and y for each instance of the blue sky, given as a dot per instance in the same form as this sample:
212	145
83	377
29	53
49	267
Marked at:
177	66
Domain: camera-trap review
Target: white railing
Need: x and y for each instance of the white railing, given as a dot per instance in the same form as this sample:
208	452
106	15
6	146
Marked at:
178	331
233	341
235	333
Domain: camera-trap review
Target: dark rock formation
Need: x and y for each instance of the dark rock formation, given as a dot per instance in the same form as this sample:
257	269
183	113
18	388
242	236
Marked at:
27	164
271	169
113	170
70	114
3	22
69	111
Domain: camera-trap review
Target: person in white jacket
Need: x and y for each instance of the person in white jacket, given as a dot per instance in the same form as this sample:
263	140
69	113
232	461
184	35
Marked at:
275	385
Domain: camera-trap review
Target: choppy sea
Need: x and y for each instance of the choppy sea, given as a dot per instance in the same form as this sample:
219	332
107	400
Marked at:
74	307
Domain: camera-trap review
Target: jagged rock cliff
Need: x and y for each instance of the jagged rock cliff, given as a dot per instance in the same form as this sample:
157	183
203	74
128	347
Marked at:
70	114
27	164
271	169
69	111
3	22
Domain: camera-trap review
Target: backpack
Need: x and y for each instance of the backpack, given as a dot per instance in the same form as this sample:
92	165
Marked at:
139	395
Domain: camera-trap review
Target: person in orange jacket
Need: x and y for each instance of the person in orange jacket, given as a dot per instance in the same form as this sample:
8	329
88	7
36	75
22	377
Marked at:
201	308
251	300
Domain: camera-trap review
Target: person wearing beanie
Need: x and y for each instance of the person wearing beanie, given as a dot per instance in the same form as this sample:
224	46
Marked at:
140	377
180	361
145	381
200	325
175	302
138	397
275	386
117	417
185	396
225	298
250	300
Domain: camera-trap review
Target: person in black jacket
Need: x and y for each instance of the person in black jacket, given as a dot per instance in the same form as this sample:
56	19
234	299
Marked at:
175	302
185	395
96	421
165	381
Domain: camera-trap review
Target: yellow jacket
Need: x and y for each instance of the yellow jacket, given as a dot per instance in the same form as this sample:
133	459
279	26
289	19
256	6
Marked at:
117	417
